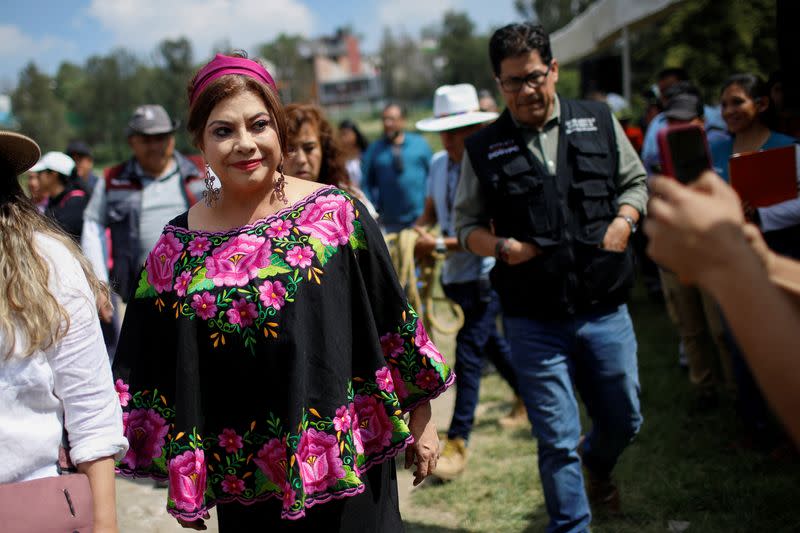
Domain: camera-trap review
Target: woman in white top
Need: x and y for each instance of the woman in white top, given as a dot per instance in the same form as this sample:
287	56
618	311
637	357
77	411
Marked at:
54	370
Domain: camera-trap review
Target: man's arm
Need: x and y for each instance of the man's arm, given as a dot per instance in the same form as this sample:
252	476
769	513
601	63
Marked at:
472	222
93	234
632	192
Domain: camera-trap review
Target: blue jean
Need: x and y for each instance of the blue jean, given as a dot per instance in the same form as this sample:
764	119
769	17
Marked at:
596	353
477	340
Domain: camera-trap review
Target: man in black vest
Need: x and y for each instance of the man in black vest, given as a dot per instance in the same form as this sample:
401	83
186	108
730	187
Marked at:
554	190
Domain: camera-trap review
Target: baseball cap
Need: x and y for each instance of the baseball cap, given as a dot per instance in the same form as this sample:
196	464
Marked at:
684	106
78	148
151	119
57	161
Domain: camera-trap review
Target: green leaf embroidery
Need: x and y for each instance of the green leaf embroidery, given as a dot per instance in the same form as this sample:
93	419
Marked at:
264	485
144	290
276	266
399	425
358	239
200	282
323	252
349	480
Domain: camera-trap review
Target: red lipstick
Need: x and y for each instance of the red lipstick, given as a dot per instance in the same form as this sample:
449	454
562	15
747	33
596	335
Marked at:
249	165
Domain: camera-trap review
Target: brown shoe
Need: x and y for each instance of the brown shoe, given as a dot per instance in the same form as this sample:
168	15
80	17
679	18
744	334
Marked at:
602	493
453	459
517	417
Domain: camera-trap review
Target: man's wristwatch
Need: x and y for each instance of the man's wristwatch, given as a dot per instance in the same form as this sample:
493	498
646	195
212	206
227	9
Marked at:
501	249
632	223
441	247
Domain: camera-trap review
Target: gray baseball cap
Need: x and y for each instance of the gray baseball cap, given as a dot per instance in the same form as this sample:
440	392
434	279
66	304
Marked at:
151	119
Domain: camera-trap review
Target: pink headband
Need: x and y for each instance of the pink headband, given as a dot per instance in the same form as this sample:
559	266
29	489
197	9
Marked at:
223	65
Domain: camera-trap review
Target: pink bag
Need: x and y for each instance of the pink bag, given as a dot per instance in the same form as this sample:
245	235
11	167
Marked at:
58	504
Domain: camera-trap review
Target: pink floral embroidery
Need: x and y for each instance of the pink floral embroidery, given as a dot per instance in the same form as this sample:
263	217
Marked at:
125	416
289	496
271	460
392	345
329	218
271	293
279	229
161	262
145	431
205	304
229	440
427	379
383	377
341	422
355	424
426	347
374	426
198	246
243	313
399	385
187	480
232	484
319	461
182	283
300	256
237	261
122	391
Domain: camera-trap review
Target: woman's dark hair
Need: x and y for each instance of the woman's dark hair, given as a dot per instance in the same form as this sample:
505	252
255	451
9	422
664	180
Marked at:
755	88
517	39
332	170
231	85
361	141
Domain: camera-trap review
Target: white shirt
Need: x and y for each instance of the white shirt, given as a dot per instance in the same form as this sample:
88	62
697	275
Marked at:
71	380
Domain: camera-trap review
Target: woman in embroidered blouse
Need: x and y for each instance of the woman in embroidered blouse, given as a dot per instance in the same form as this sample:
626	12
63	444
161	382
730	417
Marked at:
54	371
269	353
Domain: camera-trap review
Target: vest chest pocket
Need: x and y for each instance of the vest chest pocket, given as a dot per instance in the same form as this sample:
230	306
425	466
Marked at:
591	156
526	205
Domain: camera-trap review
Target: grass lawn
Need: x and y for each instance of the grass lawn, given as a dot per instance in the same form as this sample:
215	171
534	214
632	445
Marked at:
680	468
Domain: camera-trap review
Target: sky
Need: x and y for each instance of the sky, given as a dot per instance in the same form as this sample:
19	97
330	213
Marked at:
49	32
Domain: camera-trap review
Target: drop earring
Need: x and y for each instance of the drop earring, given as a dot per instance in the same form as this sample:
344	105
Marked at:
211	194
279	185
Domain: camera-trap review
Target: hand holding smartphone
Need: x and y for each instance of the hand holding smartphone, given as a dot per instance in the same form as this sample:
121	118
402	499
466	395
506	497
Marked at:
684	152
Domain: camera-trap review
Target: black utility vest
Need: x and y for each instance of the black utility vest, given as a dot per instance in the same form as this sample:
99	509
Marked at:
565	215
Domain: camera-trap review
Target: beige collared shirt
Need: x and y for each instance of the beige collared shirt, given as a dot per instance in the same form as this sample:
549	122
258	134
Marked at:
470	205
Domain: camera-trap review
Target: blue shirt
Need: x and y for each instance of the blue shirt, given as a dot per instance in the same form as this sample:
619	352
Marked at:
722	150
651	157
396	184
459	267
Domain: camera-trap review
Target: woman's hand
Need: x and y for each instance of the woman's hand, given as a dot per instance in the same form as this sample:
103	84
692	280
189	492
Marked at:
424	452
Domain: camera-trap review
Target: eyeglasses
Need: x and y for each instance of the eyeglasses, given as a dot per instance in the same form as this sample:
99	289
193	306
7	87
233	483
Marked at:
533	80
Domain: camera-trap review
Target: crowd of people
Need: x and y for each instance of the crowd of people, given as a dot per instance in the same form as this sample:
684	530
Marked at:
266	360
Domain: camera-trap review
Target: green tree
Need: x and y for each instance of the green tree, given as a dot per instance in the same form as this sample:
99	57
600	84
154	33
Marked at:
465	55
291	55
174	67
711	40
39	111
115	85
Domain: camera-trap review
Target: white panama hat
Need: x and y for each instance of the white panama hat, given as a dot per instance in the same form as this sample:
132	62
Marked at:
455	106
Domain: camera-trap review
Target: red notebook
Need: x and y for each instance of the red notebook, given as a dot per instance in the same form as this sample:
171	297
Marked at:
767	177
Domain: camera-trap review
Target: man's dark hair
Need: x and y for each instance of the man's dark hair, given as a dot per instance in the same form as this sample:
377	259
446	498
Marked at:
673	72
399	106
516	39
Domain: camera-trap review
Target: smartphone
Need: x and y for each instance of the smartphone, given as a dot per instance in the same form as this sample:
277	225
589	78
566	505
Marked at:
684	152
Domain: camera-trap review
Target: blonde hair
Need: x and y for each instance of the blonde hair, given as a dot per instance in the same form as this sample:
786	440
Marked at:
26	302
